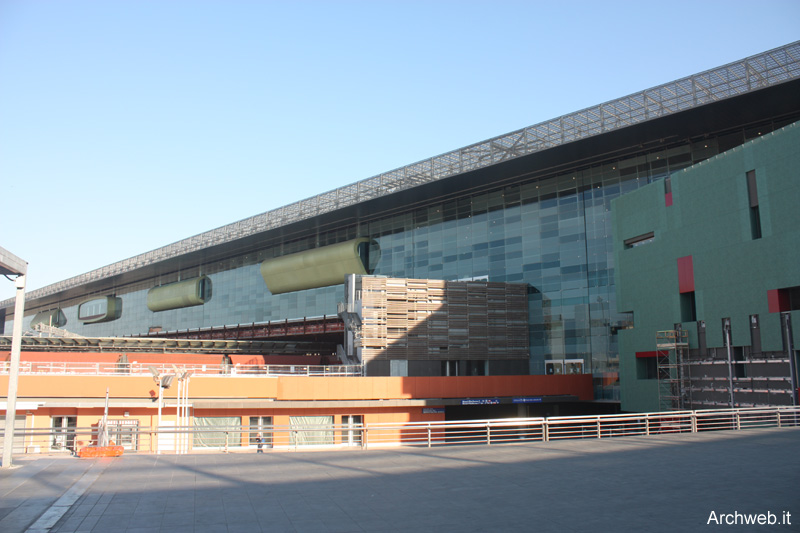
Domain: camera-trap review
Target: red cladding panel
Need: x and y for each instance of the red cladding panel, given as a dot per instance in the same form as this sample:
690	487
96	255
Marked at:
685	274
668	199
643	355
778	300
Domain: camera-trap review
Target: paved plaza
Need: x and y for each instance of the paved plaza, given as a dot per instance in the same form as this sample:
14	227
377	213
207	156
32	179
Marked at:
657	483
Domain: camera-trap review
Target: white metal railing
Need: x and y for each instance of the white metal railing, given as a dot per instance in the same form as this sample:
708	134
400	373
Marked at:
577	427
128	369
427	434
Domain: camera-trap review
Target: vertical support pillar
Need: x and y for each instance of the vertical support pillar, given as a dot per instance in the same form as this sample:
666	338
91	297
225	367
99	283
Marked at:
726	330
13	374
788	342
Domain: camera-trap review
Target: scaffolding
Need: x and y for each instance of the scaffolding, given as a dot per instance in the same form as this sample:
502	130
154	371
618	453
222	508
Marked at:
674	380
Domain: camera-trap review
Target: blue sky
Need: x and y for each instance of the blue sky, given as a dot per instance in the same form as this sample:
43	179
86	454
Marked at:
129	125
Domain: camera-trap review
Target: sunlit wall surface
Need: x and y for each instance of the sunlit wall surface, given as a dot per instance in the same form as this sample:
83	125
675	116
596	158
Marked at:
553	233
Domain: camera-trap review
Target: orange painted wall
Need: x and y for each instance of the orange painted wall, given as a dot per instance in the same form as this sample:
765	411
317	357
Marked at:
376	388
309	388
298	388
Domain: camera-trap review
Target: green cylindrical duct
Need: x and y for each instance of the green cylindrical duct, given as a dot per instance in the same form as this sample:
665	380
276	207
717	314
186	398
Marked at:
320	267
187	293
51	317
102	309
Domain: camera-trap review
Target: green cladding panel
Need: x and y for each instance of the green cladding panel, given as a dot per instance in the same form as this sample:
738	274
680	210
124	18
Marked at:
710	218
187	293
319	267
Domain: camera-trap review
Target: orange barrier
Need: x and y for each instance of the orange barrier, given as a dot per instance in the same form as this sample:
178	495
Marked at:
100	451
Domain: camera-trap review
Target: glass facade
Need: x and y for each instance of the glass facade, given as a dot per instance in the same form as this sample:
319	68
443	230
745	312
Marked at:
552	233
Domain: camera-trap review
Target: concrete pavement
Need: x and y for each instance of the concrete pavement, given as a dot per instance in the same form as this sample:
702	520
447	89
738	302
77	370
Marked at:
656	483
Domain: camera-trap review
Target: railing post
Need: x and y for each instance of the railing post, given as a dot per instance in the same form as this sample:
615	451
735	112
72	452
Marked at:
647	424
488	432
599	435
226	442
429	435
364	441
694	421
738	421
545	431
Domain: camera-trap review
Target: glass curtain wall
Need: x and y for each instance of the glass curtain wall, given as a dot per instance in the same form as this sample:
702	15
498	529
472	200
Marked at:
552	233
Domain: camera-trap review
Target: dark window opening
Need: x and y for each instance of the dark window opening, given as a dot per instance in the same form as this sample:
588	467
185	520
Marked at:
647	368
755	215
688	307
755	223
739	368
639	240
755	336
785	299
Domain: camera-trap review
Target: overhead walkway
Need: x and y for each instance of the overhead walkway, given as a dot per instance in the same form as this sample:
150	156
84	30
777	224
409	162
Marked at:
132	344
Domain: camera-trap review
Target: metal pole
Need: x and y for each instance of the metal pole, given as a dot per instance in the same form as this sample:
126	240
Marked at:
186	415
13	374
786	322
158	430
178	424
727	327
103	437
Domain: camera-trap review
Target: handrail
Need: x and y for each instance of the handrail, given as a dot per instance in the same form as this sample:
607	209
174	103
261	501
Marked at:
428	434
134	369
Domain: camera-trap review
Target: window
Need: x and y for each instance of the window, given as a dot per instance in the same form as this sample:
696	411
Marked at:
217	431
63	432
688	307
755	215
398	367
639	240
647	368
263	425
93	309
785	299
351	429
311	430
124	433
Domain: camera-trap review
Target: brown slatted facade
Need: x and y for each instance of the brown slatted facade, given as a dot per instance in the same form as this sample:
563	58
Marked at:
421	319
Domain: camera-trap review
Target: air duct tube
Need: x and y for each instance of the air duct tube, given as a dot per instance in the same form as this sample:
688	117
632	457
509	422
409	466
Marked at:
320	267
102	309
187	293
51	317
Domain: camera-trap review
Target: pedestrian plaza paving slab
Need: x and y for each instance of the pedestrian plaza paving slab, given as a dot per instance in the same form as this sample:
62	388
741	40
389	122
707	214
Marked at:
653	483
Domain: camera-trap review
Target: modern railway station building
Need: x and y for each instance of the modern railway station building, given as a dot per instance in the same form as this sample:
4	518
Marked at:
513	251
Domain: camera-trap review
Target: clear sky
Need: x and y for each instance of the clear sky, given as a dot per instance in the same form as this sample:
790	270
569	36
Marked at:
129	125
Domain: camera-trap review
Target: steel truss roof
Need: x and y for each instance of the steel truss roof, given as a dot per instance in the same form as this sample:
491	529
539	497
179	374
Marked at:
747	75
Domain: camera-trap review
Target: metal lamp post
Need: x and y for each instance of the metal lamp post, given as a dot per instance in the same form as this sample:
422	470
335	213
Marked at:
11	265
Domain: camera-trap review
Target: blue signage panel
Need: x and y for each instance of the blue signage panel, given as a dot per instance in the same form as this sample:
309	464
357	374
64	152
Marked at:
481	401
527	399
